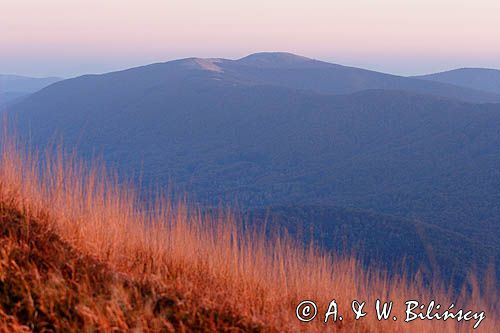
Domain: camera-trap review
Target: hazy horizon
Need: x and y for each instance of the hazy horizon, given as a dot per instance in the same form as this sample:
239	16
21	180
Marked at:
403	38
100	68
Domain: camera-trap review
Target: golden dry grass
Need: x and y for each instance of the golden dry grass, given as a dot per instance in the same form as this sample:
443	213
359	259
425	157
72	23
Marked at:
215	268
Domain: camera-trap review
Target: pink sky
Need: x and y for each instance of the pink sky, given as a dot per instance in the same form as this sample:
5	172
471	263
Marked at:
62	37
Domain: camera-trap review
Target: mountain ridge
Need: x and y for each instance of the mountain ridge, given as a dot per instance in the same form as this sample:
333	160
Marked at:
302	73
485	79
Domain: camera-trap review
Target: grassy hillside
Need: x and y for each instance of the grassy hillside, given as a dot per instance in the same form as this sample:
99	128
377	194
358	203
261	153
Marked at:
80	251
48	285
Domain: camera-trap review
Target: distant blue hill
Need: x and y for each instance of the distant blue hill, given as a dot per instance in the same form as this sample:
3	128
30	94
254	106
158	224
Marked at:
476	78
13	87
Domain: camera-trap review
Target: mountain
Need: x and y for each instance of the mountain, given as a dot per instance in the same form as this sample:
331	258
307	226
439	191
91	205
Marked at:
250	132
292	71
476	78
277	69
13	87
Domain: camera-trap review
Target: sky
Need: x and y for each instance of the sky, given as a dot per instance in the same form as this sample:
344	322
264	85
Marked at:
69	38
